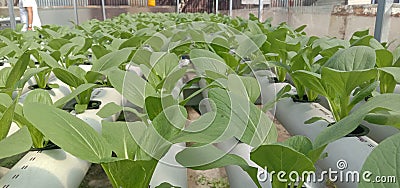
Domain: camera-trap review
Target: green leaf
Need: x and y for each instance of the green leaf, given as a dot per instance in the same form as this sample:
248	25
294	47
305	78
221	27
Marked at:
155	105
112	59
339	85
384	58
282	93
310	80
166	185
17	71
316	154
119	138
301	28
253	27
80	108
165	71
49	60
197	92
4	73
5	100
78	71
29	73
195	158
258	40
349	123
155	42
241	119
142	57
38	96
6	120
388	118
282	158
171	121
364	92
170	82
120	172
358	34
135	90
16	143
67	131
135	41
82	88
394	71
299	143
247	46
220	45
68	77
37	137
383	161
368	41
246	87
109	109
315	119
205	60
229	59
56	44
164	63
209	74
93	77
152	144
99	51
353	58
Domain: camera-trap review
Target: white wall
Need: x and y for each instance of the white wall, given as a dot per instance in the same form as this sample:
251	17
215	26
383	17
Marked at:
359	2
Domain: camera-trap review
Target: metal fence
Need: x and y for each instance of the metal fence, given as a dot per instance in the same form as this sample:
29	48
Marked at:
83	3
186	5
56	3
292	3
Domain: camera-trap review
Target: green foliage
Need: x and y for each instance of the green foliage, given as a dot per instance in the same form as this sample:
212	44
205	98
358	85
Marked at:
387	170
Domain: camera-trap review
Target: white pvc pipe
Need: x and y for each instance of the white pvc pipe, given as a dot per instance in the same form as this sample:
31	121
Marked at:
177	6
260	9
237	177
133	68
10	5
230	8
13	129
86	67
76	12
56	168
379	132
52	80
353	150
55	93
216	6
169	170
103	10
105	96
48	168
5	65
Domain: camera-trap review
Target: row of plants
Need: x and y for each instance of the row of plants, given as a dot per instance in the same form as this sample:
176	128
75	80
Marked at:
224	53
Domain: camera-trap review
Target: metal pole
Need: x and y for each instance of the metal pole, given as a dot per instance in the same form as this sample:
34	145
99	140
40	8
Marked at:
230	7
382	24
11	12
76	12
103	9
216	6
260	9
177	6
